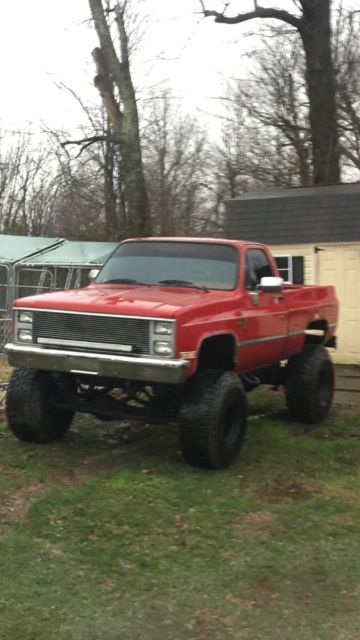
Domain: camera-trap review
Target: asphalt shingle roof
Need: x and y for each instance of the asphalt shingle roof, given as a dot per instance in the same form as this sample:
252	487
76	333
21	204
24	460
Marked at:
296	215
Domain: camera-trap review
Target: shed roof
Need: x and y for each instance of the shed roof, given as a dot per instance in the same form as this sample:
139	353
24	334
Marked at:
73	252
14	248
296	215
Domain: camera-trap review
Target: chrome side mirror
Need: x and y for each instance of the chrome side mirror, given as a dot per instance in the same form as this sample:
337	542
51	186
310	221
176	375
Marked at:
270	284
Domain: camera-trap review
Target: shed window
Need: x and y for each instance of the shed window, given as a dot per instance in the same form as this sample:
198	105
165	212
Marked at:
291	268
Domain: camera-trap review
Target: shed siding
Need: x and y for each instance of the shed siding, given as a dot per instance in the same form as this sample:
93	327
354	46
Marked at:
340	264
337	264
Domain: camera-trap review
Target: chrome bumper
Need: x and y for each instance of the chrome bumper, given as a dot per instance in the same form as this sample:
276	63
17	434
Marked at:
104	365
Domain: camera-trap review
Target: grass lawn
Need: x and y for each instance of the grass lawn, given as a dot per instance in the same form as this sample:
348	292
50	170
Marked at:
110	536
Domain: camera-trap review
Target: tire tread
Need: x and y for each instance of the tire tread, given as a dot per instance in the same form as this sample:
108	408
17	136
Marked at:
301	388
199	414
32	407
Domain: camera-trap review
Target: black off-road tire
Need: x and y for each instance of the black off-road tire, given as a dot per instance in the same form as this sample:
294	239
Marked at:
309	384
213	419
35	405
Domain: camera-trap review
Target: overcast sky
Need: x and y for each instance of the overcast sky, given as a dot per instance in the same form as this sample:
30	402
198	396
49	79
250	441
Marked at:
45	42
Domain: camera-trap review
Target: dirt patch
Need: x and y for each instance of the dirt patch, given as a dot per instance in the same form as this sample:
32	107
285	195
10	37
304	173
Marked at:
279	490
345	495
14	505
85	469
259	520
5	369
264	594
5	373
259	523
234	556
210	625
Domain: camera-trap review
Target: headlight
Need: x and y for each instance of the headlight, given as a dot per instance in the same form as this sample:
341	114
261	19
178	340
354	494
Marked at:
163	328
24	335
162	348
162	337
25	316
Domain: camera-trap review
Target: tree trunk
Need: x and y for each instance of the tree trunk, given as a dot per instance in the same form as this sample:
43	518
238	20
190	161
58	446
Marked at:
111	218
315	34
315	31
125	121
135	191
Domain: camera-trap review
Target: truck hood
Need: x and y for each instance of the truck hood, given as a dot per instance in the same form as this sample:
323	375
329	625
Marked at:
136	301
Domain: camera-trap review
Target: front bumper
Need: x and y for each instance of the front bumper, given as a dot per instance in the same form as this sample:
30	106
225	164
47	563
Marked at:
98	364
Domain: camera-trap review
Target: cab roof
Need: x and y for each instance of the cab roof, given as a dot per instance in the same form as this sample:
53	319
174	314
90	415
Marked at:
201	240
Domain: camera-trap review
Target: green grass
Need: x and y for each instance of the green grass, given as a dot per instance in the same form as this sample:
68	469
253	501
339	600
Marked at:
110	536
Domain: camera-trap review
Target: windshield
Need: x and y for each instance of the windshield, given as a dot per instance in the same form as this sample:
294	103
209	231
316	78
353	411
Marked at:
182	264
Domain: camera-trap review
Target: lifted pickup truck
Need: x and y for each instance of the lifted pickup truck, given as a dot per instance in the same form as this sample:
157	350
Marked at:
172	329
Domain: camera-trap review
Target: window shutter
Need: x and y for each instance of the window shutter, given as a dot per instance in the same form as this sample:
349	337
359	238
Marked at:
298	269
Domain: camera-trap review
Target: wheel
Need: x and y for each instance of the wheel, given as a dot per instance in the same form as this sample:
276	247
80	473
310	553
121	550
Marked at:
213	419
309	384
33	405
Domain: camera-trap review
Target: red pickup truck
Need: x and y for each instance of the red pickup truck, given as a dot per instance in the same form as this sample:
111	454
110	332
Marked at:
172	329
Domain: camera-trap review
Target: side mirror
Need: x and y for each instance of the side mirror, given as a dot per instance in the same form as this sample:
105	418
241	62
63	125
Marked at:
92	274
270	284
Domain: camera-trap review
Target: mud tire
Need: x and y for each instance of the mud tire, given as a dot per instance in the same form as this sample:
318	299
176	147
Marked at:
309	384
35	405
213	419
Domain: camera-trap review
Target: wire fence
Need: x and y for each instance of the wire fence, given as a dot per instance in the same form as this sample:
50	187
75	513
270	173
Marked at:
19	282
5	369
4	326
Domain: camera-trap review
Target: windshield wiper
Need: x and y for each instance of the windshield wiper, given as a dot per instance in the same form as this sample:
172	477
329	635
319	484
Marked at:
183	283
124	281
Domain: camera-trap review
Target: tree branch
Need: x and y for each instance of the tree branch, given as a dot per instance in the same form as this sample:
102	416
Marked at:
84	142
259	12
85	108
350	155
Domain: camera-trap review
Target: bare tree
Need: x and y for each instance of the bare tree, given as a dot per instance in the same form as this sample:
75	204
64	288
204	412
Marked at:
28	186
114	83
312	22
276	98
44	192
96	147
11	155
175	154
231	157
79	212
252	152
348	85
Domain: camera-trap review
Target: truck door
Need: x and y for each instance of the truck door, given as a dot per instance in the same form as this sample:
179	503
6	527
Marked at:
263	323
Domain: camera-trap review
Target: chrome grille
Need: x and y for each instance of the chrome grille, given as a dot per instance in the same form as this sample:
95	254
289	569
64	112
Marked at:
82	328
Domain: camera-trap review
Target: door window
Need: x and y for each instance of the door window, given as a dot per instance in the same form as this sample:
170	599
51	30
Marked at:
257	266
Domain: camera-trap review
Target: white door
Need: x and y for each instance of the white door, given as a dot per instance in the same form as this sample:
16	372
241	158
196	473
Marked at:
340	266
